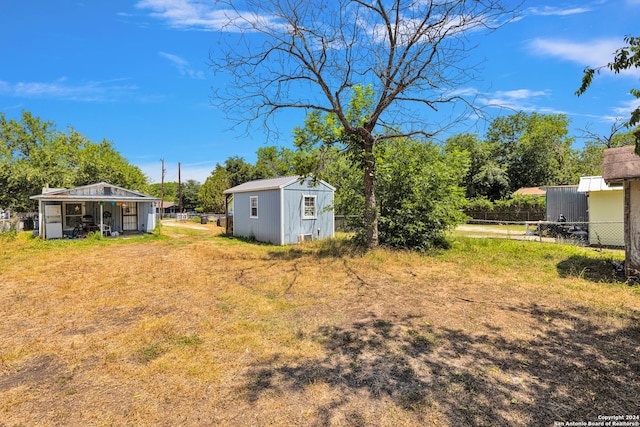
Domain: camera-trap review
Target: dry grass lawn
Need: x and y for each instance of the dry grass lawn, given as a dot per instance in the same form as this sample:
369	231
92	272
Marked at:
193	328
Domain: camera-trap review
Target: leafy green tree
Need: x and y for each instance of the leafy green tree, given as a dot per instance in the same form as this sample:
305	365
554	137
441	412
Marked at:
239	171
625	58
420	195
101	162
486	177
590	158
490	181
170	190
338	170
417	184
211	195
190	191
34	154
312	54
274	162
534	148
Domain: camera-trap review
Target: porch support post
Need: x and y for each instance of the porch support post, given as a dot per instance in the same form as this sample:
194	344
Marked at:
226	213
101	213
41	230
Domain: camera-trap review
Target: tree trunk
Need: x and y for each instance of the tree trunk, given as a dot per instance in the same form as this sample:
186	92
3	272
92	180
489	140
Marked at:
371	208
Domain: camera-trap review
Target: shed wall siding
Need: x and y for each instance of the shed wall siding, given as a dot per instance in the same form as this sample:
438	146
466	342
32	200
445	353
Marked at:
265	228
321	227
568	202
606	216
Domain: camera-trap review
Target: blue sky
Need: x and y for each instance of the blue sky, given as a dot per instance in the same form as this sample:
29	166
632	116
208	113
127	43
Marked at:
136	73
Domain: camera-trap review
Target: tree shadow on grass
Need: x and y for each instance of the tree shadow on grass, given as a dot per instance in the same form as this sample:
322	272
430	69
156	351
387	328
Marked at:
570	369
327	248
601	270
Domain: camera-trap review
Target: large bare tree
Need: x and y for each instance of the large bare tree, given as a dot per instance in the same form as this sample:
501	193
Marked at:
308	55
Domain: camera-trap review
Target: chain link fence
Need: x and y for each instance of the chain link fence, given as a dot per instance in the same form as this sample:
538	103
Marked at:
595	234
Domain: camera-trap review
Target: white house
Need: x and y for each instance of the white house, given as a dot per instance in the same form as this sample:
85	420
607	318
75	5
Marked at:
94	207
282	210
605	211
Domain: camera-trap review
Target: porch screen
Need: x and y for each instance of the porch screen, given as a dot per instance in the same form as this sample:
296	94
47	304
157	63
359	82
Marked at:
129	217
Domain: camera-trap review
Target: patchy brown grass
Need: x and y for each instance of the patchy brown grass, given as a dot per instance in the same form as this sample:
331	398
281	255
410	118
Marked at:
192	328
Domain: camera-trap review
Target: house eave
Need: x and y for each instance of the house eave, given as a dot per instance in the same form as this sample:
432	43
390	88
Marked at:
64	197
70	194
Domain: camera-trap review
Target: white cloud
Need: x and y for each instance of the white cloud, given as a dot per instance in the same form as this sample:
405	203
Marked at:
588	53
556	11
202	15
520	100
182	65
594	53
521	94
625	109
92	91
517	100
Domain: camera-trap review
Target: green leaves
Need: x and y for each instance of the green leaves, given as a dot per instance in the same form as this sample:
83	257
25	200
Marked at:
34	154
210	195
520	150
420	197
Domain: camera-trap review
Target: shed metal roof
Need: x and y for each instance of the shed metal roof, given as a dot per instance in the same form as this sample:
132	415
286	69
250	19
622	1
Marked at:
594	183
83	193
268	184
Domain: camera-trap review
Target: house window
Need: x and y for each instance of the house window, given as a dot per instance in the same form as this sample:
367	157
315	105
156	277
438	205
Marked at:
254	207
72	215
308	207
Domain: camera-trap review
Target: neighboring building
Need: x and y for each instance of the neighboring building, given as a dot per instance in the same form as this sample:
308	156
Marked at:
282	210
565	200
100	206
621	166
606	211
169	209
531	191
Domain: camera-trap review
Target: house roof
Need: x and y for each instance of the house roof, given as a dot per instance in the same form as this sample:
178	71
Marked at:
620	163
268	184
166	205
530	191
594	183
101	191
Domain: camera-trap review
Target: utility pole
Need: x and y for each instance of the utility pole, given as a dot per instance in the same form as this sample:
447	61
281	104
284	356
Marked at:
179	191
162	192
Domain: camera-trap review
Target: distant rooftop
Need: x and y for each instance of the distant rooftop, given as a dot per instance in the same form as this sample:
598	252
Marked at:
530	191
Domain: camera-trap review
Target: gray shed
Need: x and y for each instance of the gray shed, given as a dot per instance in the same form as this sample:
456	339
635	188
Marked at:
566	200
282	210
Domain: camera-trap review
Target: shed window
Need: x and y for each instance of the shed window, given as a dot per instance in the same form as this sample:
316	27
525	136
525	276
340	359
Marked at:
308	207
254	207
